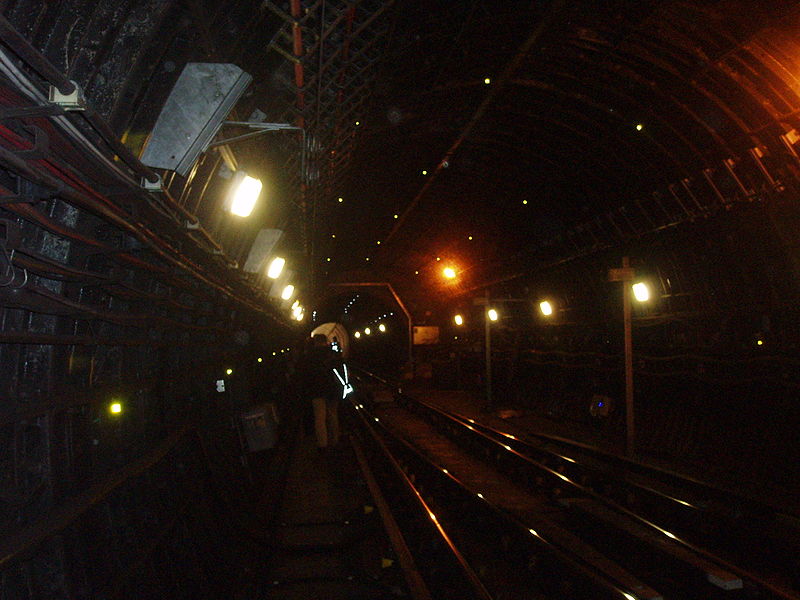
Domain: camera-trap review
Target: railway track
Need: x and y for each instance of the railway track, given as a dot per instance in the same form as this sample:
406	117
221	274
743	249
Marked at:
670	536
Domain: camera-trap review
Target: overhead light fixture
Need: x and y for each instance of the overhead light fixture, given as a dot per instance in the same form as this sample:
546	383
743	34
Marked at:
487	81
243	194
115	408
276	267
367	331
459	320
492	314
287	292
641	292
546	308
449	273
357	334
382	328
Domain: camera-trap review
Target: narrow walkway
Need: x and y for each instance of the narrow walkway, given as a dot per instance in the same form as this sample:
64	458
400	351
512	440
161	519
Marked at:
328	542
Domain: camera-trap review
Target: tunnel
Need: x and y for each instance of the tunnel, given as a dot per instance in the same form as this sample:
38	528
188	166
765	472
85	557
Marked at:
568	228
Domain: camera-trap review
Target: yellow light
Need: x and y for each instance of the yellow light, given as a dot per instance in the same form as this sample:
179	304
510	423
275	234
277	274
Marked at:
492	314
288	292
368	259
379	242
424	172
459	320
244	194
367	331
524	201
438	258
416	272
300	316
260	359
396	216
229	371
382	328
333	236
295	305
341	199
357	334
487	81
276	267
449	272
115	408
546	308
760	342
639	127
358	123
328	259
470	238
641	292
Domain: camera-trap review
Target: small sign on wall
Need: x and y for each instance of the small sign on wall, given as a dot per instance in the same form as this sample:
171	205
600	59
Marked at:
425	335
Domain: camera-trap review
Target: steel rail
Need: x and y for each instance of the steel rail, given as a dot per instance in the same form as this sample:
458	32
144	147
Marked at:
419	590
579	563
474	581
742	572
475	429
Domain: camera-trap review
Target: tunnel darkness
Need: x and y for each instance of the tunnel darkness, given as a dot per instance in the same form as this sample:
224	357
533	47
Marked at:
528	146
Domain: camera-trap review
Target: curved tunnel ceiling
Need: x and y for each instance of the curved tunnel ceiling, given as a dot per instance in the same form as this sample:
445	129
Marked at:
504	138
537	122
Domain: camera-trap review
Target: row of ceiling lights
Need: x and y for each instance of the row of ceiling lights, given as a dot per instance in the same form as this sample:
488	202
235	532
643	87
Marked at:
641	292
368	330
241	200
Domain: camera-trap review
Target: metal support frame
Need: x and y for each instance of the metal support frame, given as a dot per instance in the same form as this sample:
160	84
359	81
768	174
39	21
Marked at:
329	81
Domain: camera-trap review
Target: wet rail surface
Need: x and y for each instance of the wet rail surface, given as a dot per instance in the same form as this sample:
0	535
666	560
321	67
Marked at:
677	537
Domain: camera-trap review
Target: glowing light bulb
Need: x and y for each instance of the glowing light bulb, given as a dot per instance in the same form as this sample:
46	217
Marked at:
641	292
487	81
382	328
115	408
244	194
357	334
546	308
276	267
449	272
492	314
459	320
288	292
367	331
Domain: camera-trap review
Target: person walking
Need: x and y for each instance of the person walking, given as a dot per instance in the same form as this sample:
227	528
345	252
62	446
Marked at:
323	390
